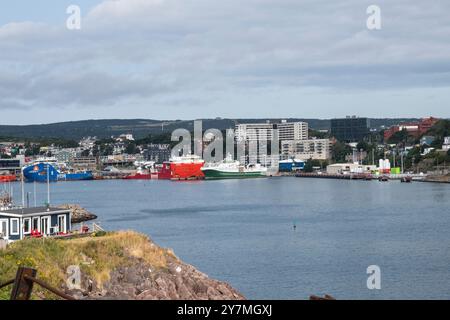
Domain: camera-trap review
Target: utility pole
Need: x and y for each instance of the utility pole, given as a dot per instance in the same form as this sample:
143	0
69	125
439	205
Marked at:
48	185
23	189
401	158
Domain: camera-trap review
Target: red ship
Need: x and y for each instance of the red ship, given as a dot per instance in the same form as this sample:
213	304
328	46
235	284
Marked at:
182	168
143	175
7	178
165	172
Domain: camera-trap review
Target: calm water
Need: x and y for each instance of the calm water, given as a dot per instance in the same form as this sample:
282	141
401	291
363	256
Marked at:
241	231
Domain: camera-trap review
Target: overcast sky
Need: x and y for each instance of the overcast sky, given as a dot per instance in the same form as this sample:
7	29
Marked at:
185	59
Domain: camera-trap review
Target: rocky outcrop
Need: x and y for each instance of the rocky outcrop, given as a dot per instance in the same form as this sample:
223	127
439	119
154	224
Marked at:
147	272
79	214
139	282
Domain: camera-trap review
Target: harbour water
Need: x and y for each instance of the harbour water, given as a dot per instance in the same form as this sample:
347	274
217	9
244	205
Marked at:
242	231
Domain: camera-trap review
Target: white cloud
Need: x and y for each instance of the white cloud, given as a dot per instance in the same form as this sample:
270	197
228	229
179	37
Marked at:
155	52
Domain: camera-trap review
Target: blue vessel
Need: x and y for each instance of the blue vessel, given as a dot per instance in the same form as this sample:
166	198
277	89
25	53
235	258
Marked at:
291	165
43	172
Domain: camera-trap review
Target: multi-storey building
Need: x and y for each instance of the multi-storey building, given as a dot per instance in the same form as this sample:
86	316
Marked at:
350	129
263	133
158	153
254	131
292	130
316	149
86	163
415	129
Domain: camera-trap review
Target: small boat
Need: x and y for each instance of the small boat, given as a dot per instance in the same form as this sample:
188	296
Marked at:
383	178
407	179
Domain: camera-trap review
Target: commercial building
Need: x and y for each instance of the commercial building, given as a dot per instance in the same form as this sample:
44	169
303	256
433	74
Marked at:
86	163
316	149
347	168
414	129
158	153
350	129
11	165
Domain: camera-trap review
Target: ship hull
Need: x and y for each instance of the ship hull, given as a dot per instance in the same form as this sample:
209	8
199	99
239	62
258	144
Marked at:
186	171
76	176
8	178
38	173
220	174
139	176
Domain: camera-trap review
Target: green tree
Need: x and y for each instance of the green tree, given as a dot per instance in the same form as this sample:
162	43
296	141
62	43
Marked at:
131	148
399	137
339	150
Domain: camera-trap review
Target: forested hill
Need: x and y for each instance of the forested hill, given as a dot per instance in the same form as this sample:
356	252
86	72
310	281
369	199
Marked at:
75	130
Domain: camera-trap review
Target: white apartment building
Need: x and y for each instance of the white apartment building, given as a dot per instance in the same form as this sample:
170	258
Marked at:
264	131
316	149
292	130
254	131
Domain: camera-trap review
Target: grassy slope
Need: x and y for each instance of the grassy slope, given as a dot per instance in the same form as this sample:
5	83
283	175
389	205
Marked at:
96	256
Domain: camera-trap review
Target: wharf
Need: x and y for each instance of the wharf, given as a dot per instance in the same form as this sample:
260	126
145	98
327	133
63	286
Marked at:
359	176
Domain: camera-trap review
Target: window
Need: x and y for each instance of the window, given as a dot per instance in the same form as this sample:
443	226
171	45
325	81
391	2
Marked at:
15	226
45	225
27	226
62	224
4	228
36	226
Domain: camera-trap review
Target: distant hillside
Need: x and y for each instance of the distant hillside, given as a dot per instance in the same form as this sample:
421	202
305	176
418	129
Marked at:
142	127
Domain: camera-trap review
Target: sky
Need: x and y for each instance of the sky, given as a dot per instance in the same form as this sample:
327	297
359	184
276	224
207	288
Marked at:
188	59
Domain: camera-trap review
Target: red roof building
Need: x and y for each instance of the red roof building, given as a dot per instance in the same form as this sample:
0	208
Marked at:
415	129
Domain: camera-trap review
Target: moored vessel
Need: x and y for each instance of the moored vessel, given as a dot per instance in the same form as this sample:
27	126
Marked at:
142	174
231	169
186	167
7	177
44	171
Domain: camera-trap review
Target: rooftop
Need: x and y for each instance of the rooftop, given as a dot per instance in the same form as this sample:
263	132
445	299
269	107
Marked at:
33	210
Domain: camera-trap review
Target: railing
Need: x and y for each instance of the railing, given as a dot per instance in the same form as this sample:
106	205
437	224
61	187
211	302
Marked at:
24	282
96	227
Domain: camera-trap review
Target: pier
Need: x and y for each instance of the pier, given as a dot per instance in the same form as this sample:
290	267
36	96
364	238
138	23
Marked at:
360	176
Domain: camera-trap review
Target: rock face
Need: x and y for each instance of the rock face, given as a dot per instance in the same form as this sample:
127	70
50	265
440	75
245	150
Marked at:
79	214
179	282
140	279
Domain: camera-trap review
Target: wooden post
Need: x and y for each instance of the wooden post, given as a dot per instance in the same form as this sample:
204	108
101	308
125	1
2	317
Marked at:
23	287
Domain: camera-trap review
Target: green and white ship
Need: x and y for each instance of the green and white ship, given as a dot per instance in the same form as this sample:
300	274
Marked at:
230	169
